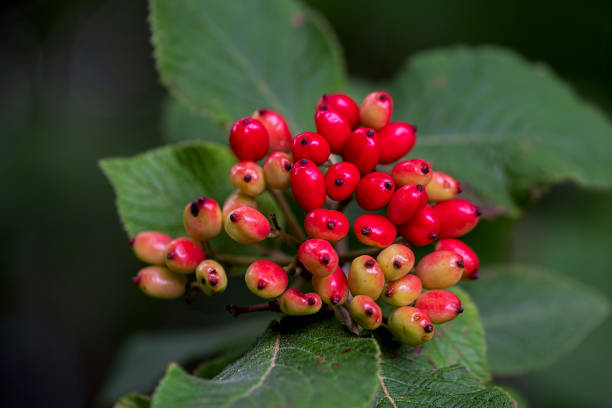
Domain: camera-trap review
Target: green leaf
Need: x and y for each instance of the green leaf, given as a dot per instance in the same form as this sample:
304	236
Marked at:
180	123
212	367
227	61
533	317
133	401
500	124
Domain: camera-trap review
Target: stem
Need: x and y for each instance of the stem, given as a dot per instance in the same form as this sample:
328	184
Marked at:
262	307
292	222
278	232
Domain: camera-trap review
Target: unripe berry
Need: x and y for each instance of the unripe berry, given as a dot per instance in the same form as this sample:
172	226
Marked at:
248	177
249	139
202	219
277	170
266	279
159	282
149	246
183	255
333	127
325	224
211	277
295	303
365	312
406	203
470	259
374	191
440	269
442	187
374	230
278	131
376	110
416	171
403	291
344	105
318	257
440	305
457	217
365	277
396	261
311	146
396	140
246	225
422	229
308	185
362	150
410	325
333	289
237	200
341	180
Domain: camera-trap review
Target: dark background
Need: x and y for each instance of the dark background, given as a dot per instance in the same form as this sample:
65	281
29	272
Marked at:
77	83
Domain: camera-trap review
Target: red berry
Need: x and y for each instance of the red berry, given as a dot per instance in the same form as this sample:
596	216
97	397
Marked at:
396	140
211	277
325	224
277	170
396	261
365	312
341	180
344	105
266	279
365	277
318	257
183	255
457	217
374	191
362	150
333	127
470	259
440	269
159	282
442	187
248	177
416	171
295	303
376	110
374	230
311	146
149	246
440	305
278	131
249	139
403	291
246	225
202	219
333	289
410	325
237	200
406	203
308	185
422	229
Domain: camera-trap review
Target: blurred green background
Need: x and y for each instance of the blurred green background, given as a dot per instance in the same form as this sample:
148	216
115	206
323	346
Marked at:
77	83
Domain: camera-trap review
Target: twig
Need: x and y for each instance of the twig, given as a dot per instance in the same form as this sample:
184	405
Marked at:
278	232
292	222
263	307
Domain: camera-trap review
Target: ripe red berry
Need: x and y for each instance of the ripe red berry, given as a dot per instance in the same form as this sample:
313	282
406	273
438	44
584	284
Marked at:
365	312
159	282
325	224
376	110
403	291
249	139
318	257
149	246
246	225
311	146
457	217
406	203
266	279
374	230
470	259
183	255
362	150
395	261
277	170
295	303
410	325
211	277
308	185
202	219
365	277
416	171
374	191
237	200
248	177
442	187
344	105
333	289
440	305
422	229
396	140
333	127
341	180
440	269
278	130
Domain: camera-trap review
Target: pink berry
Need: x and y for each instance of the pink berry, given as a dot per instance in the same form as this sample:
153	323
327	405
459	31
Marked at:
325	224
237	200
470	259
333	289
416	171
308	185
333	127
396	261
422	229
374	230
440	305
266	279
374	191
376	110
278	130
341	180
442	187
440	269
183	255
248	177
457	217
365	312
362	150
211	277
365	277
406	203
318	257
410	325
249	139
396	140
149	246
202	219
295	303
344	105
277	170
403	291
159	282
246	225
311	146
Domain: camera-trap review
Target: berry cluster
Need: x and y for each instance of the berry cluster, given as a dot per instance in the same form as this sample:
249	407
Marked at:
324	170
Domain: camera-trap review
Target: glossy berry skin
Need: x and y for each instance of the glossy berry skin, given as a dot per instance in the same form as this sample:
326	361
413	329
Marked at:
149	246
362	150
396	261
376	110
249	139
308	185
183	255
442	187
440	305
311	146
406	203
332	289
374	191
471	262
457	217
333	127
403	291
440	269
277	170
318	257
295	303
248	177
410	325
237	200
422	229
202	219
211	277
365	277
416	171
341	180
365	312
266	279
344	105
279	135
325	224
159	282
374	230
396	140
246	225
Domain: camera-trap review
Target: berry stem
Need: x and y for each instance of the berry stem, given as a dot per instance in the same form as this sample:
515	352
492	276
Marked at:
236	310
292	222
